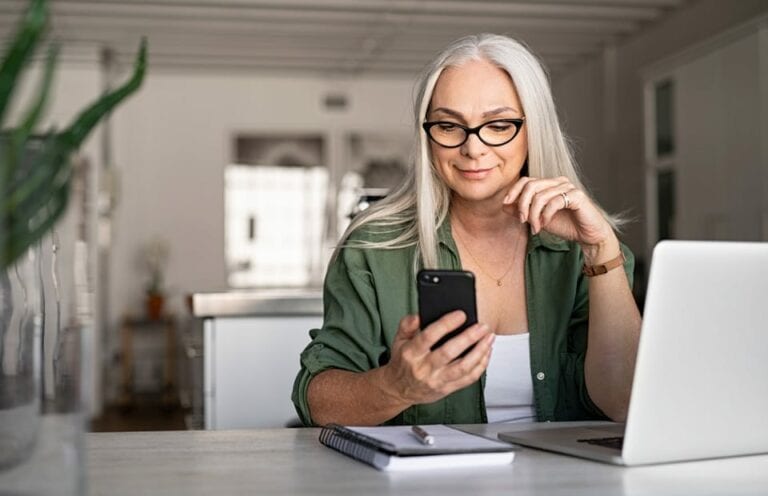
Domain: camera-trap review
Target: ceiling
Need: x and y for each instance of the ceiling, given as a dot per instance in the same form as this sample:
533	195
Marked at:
334	36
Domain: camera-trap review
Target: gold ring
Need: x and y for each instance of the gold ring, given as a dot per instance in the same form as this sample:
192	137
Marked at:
566	200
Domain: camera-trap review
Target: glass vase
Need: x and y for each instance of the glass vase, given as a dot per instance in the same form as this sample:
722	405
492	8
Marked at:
43	324
42	422
20	336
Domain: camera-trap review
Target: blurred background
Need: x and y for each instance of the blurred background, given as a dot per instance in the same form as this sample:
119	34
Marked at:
213	198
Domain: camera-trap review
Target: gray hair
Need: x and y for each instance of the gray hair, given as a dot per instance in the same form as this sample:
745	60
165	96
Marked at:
414	211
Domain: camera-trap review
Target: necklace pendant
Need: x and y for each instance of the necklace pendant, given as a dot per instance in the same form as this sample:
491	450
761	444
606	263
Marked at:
498	282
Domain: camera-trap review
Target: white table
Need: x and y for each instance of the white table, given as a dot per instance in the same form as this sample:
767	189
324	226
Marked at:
292	461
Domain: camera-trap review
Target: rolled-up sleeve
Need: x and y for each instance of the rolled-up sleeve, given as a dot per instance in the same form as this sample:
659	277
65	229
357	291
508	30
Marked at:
351	336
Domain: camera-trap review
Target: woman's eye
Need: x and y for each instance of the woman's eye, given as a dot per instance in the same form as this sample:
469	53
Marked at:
500	128
447	127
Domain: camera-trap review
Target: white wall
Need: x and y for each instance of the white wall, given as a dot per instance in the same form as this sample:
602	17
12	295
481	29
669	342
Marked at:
612	155
173	140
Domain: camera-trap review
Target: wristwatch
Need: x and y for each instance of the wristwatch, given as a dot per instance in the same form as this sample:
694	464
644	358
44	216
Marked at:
596	270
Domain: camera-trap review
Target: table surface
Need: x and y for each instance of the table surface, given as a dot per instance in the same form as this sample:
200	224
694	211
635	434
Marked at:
292	461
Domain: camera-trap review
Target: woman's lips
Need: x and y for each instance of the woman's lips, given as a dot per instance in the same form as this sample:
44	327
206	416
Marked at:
475	173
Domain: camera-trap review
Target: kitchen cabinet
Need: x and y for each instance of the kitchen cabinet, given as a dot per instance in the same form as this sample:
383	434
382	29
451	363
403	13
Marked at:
251	346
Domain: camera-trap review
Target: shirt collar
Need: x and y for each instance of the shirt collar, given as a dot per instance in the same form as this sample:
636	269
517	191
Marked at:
548	241
445	237
543	240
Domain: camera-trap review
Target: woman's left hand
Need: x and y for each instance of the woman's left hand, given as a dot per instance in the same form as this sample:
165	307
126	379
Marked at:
558	207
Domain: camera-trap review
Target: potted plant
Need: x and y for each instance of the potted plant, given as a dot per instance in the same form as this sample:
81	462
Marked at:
35	184
154	257
32	198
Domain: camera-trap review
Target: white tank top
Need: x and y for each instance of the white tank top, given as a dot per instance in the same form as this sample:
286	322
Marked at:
508	381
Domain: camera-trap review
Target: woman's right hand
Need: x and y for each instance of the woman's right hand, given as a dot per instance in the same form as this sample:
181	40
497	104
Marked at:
416	375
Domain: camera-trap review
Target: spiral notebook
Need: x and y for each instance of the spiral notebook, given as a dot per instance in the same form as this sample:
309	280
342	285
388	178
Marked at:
396	448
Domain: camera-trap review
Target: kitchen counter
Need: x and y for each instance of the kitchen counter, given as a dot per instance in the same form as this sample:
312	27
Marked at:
262	302
251	346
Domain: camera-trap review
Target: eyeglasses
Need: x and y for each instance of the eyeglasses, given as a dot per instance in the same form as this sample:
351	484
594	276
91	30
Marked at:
492	133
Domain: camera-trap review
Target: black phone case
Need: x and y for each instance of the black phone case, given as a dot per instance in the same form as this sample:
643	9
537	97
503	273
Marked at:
443	291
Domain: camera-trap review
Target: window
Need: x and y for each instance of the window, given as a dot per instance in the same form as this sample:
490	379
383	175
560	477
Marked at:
275	212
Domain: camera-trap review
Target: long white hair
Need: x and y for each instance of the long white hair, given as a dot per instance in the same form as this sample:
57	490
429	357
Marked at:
413	212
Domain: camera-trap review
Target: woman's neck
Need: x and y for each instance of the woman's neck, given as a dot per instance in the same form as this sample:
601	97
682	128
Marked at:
482	219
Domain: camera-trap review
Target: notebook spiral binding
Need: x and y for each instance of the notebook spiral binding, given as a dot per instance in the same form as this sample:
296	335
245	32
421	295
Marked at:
353	444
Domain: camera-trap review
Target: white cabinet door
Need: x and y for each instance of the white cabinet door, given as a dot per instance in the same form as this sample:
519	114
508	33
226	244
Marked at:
250	366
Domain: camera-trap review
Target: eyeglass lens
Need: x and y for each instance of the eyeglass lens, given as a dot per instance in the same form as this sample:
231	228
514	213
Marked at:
492	133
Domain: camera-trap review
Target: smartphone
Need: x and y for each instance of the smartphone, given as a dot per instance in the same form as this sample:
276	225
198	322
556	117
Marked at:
443	291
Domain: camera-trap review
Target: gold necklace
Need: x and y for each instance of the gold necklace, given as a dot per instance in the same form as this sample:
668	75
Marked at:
479	266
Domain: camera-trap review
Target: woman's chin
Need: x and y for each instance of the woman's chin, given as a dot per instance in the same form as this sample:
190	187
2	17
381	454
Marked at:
480	194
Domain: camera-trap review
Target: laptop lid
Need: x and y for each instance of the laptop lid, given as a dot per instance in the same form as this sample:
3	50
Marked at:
701	379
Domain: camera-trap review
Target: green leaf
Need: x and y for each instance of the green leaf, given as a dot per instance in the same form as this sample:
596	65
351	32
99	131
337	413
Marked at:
22	235
44	176
32	27
20	135
87	120
33	114
43	170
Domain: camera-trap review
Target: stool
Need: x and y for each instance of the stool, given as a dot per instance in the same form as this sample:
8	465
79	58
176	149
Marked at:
129	327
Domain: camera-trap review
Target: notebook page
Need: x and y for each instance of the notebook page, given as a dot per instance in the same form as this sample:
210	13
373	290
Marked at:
446	439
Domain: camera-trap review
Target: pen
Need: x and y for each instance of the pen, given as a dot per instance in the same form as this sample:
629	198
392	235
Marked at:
424	436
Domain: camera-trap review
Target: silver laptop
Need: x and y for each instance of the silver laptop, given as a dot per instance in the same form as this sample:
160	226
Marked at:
701	377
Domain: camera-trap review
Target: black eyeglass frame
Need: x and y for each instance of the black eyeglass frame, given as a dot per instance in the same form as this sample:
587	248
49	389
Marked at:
518	122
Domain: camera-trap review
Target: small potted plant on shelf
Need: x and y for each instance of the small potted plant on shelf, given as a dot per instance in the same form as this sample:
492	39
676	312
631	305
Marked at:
154	257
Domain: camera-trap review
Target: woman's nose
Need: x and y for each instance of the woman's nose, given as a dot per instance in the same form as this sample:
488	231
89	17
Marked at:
473	147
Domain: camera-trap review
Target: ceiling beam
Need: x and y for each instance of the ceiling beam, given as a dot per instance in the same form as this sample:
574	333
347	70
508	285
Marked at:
115	14
637	11
322	36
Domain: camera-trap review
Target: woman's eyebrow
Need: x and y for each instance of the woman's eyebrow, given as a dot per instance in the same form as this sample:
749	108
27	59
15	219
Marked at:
450	112
489	113
500	110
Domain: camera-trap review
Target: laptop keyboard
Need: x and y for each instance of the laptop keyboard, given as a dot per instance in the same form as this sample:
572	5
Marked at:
609	442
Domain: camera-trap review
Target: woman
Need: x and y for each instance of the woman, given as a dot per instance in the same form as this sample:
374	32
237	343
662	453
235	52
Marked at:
494	191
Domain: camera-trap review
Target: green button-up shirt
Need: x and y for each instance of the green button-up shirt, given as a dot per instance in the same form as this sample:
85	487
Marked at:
368	291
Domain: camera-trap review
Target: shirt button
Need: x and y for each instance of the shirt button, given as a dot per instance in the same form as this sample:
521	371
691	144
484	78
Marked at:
540	376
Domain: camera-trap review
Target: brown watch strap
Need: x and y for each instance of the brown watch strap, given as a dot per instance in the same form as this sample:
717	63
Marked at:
596	270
